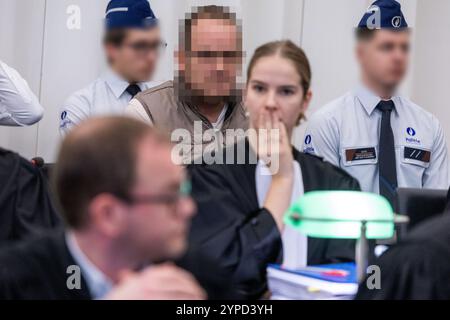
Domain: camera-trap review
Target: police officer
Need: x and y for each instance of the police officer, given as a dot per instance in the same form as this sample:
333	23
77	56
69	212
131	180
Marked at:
381	138
19	106
132	43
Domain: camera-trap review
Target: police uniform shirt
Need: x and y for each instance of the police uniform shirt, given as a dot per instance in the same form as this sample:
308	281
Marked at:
232	228
18	104
346	133
105	96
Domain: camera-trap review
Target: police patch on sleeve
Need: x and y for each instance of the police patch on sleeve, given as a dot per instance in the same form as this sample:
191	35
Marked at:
417	154
64	121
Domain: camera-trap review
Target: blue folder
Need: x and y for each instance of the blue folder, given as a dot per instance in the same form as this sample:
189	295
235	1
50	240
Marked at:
349	267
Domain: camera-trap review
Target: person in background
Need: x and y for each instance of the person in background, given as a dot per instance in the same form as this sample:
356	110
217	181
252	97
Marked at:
417	268
241	204
205	94
132	44
126	208
18	104
26	208
26	204
376	135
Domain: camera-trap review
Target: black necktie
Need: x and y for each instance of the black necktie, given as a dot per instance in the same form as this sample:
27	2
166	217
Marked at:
133	89
386	157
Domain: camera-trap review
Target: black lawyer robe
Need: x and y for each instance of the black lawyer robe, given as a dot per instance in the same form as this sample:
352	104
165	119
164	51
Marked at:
26	207
231	228
418	268
36	269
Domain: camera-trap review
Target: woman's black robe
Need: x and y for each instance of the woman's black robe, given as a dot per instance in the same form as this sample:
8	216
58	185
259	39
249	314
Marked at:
232	228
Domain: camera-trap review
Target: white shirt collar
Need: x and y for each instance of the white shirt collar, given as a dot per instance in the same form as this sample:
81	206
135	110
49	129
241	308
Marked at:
370	100
219	123
98	283
118	85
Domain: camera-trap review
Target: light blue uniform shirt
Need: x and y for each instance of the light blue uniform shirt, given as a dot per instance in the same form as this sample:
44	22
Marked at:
105	96
346	133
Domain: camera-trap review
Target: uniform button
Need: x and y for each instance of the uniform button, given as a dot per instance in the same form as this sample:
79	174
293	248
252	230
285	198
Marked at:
255	221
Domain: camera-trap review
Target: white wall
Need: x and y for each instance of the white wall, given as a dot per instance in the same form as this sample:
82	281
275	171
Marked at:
71	59
327	38
57	61
431	80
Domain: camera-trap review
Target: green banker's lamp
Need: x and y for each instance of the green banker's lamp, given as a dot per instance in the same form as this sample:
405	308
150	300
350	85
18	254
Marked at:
344	215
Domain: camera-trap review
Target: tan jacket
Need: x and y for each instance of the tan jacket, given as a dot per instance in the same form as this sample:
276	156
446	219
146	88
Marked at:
160	107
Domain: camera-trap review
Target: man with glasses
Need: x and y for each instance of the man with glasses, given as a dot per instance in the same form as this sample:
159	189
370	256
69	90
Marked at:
205	95
132	44
126	207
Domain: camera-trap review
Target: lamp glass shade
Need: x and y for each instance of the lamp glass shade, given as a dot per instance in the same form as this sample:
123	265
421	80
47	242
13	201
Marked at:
339	215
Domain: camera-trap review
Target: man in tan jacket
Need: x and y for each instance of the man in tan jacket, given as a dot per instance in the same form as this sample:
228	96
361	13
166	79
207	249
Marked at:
205	99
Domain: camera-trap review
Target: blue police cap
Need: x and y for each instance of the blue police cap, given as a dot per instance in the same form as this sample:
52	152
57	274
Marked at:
129	14
384	14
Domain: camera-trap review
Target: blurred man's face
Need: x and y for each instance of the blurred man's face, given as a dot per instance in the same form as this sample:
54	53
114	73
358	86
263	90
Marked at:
136	58
159	219
215	58
385	58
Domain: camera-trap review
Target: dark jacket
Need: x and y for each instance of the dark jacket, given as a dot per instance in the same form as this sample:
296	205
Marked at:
232	228
25	205
418	268
37	269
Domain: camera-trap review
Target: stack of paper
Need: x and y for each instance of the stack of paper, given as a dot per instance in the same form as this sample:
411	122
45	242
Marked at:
334	281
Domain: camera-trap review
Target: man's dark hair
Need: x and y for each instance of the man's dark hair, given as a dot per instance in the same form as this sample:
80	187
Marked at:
363	34
205	12
97	157
115	37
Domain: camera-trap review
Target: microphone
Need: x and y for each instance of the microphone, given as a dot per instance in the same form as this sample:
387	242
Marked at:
38	162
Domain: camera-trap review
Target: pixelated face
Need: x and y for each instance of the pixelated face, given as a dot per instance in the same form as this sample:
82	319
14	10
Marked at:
214	60
385	57
275	87
136	58
158	229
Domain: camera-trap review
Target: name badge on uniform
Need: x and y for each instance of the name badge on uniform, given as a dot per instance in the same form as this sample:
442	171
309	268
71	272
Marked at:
361	154
417	154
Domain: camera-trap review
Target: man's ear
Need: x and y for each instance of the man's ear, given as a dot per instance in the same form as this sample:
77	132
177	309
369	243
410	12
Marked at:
180	60
244	94
110	51
107	215
359	50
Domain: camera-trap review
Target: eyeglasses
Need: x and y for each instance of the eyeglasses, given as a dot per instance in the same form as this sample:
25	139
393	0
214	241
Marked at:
145	47
166	199
216	54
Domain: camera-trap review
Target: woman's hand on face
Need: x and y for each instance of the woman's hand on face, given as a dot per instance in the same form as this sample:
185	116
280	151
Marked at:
274	145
